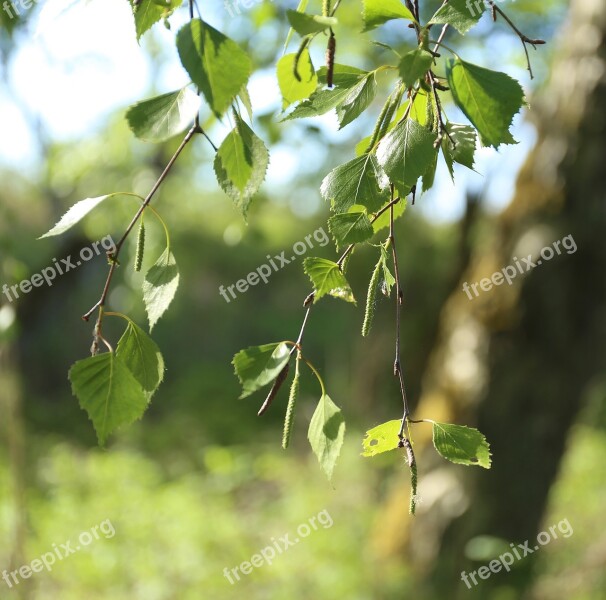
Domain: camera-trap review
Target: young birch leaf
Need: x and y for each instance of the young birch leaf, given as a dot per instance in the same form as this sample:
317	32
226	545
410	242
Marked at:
488	98
244	97
465	139
141	355
215	63
406	153
258	366
377	12
357	100
461	445
350	228
381	438
383	221
159	287
291	88
461	14
327	278
240	165
344	76
302	7
149	12
414	65
307	24
108	392
326	434
75	214
162	117
359	181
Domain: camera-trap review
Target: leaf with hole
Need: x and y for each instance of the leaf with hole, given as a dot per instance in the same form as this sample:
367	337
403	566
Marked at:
381	438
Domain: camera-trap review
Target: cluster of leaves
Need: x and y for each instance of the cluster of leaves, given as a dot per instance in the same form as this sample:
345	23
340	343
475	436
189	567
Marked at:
366	195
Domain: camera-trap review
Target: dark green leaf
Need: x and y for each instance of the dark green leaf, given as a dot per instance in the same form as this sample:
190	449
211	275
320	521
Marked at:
258	366
359	181
463	150
326	434
162	117
141	355
488	98
414	65
357	100
461	14
241	164
306	24
160	285
108	392
216	64
461	445
350	228
327	278
377	12
406	153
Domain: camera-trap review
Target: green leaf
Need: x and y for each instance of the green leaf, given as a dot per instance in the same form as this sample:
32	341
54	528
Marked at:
291	88
414	65
461	14
302	6
344	76
388	278
350	228
326	434
149	12
75	214
141	355
488	98
359	181
357	100
307	24
215	63
383	221
461	445
258	366
162	117
382	438
327	278
160	285
240	165
108	392
246	101
463	150
377	12
406	153
430	175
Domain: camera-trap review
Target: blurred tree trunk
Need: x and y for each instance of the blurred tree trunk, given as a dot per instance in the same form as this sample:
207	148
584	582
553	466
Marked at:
517	360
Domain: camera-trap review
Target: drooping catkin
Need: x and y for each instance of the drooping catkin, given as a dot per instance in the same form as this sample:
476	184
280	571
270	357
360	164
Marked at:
371	298
412	464
140	247
290	409
330	59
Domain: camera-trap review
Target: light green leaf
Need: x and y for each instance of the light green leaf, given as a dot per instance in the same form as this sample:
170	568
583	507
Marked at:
141	355
388	277
108	392
382	438
463	150
215	63
488	98
160	285
414	65
307	24
350	228
241	164
406	153
162	117
326	434
357	100
461	445
461	14
149	12
75	214
344	76
377	12
327	278
291	88
359	181
383	221
246	101
258	366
